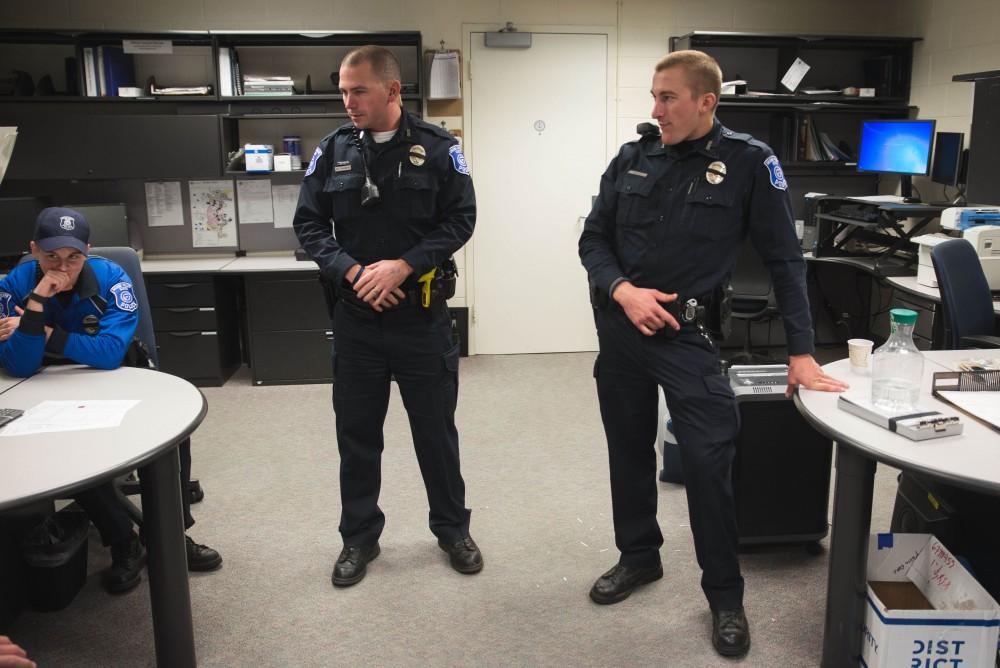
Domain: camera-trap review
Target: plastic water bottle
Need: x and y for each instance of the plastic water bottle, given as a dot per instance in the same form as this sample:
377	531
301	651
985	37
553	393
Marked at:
897	366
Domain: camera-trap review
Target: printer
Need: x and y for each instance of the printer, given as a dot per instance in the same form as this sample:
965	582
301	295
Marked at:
963	217
984	238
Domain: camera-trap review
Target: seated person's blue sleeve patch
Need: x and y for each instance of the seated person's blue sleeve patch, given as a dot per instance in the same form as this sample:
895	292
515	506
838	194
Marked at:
124	296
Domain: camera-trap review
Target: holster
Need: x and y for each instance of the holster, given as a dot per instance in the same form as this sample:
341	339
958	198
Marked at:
719	321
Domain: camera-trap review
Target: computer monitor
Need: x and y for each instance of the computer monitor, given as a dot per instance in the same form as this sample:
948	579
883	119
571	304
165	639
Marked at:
946	167
108	223
900	147
17	227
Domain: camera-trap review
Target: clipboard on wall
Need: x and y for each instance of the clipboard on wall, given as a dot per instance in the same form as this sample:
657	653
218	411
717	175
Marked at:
443	85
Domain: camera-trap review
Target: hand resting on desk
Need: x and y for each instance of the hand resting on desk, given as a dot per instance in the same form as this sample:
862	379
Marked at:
803	370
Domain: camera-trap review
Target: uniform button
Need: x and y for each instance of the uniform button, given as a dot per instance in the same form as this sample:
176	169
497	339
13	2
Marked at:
708	197
628	187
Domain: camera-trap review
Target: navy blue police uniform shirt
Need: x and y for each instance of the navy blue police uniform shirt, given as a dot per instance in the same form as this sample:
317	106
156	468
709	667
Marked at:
92	324
427	209
661	223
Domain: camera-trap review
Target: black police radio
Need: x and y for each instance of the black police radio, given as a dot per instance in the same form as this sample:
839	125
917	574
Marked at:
369	192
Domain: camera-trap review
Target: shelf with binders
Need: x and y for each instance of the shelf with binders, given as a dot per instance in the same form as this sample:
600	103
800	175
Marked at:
175	66
290	66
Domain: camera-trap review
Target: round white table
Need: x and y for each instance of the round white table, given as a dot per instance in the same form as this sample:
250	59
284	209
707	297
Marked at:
967	460
40	466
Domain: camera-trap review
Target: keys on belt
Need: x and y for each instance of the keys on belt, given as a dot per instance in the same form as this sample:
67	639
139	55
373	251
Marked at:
687	312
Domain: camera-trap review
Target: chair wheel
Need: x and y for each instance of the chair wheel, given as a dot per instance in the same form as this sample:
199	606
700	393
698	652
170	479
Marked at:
196	492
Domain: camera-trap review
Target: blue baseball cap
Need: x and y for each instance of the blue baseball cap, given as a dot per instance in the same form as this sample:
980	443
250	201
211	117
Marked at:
58	227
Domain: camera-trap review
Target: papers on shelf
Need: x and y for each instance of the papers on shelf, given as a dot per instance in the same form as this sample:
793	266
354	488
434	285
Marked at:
8	135
54	416
887	199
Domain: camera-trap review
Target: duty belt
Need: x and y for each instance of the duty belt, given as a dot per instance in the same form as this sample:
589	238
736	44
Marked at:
688	312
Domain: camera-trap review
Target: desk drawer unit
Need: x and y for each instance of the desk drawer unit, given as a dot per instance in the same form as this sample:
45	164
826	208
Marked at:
194	316
289	328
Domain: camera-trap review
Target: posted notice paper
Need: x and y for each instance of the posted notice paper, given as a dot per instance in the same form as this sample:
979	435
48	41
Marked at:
253	198
164	206
286	198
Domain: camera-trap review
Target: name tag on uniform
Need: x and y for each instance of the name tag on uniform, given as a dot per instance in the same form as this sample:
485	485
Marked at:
342	167
638	173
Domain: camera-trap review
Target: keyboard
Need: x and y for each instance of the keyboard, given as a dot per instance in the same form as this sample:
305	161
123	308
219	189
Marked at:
8	414
863	213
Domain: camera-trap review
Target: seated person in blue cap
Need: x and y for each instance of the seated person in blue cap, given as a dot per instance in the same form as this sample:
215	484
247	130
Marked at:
67	308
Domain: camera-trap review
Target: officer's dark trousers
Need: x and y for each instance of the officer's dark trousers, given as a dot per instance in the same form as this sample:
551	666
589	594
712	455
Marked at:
106	512
706	420
413	346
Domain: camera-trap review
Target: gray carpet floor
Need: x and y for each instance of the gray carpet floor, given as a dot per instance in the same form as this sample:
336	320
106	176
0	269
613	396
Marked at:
535	465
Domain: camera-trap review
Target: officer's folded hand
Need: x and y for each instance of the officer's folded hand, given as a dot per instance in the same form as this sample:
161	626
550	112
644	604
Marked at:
379	284
642	306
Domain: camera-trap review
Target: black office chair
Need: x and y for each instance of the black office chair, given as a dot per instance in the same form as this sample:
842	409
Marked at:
965	296
126	258
752	302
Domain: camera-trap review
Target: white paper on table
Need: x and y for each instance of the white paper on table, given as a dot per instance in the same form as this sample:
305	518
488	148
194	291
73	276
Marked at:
445	75
793	77
286	199
253	199
8	135
164	207
983	405
70	415
213	214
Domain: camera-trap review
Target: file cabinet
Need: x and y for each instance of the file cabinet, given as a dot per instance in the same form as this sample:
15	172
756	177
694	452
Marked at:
289	329
196	325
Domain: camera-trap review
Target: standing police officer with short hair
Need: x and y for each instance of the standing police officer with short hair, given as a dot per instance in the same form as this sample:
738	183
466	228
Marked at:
401	201
659	245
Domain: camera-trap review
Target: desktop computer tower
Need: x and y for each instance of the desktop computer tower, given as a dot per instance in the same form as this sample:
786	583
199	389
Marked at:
781	474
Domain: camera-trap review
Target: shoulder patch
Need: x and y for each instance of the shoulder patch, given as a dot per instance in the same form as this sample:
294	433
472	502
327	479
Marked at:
317	154
776	173
124	297
458	160
6	310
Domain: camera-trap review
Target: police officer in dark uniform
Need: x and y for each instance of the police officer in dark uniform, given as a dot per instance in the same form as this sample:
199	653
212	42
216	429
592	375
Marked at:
65	307
386	200
659	245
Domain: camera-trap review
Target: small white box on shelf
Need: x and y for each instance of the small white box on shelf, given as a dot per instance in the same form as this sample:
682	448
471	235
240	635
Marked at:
259	157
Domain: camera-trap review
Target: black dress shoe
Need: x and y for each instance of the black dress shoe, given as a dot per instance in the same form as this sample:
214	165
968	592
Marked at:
618	583
730	632
464	555
127	559
201	557
352	563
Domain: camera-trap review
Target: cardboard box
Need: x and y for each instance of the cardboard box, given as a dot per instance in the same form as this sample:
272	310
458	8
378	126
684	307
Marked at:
259	157
912	572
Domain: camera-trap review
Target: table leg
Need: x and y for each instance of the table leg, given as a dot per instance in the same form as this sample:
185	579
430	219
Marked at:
846	584
163	526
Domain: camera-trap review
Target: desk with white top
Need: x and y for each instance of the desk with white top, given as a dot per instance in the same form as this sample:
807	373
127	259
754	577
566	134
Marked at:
40	466
968	460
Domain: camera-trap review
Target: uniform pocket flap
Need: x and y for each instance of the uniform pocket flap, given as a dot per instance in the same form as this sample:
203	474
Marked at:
342	182
451	358
718	385
415	181
634	182
709	195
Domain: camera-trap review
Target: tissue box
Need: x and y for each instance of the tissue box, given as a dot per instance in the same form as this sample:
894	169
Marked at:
260	157
283	162
923	608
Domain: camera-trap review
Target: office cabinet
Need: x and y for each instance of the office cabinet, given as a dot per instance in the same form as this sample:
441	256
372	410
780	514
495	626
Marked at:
814	135
290	332
196	325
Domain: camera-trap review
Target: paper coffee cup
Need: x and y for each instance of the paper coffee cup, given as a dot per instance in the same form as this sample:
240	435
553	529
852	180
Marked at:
859	351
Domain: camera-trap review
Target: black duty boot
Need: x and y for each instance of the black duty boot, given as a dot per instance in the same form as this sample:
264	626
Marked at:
464	555
201	557
619	582
730	632
127	559
352	564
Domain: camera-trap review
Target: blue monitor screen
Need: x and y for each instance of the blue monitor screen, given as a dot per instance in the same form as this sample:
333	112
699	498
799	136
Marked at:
896	147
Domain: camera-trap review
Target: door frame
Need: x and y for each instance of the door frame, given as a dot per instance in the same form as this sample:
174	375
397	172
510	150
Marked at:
468	146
